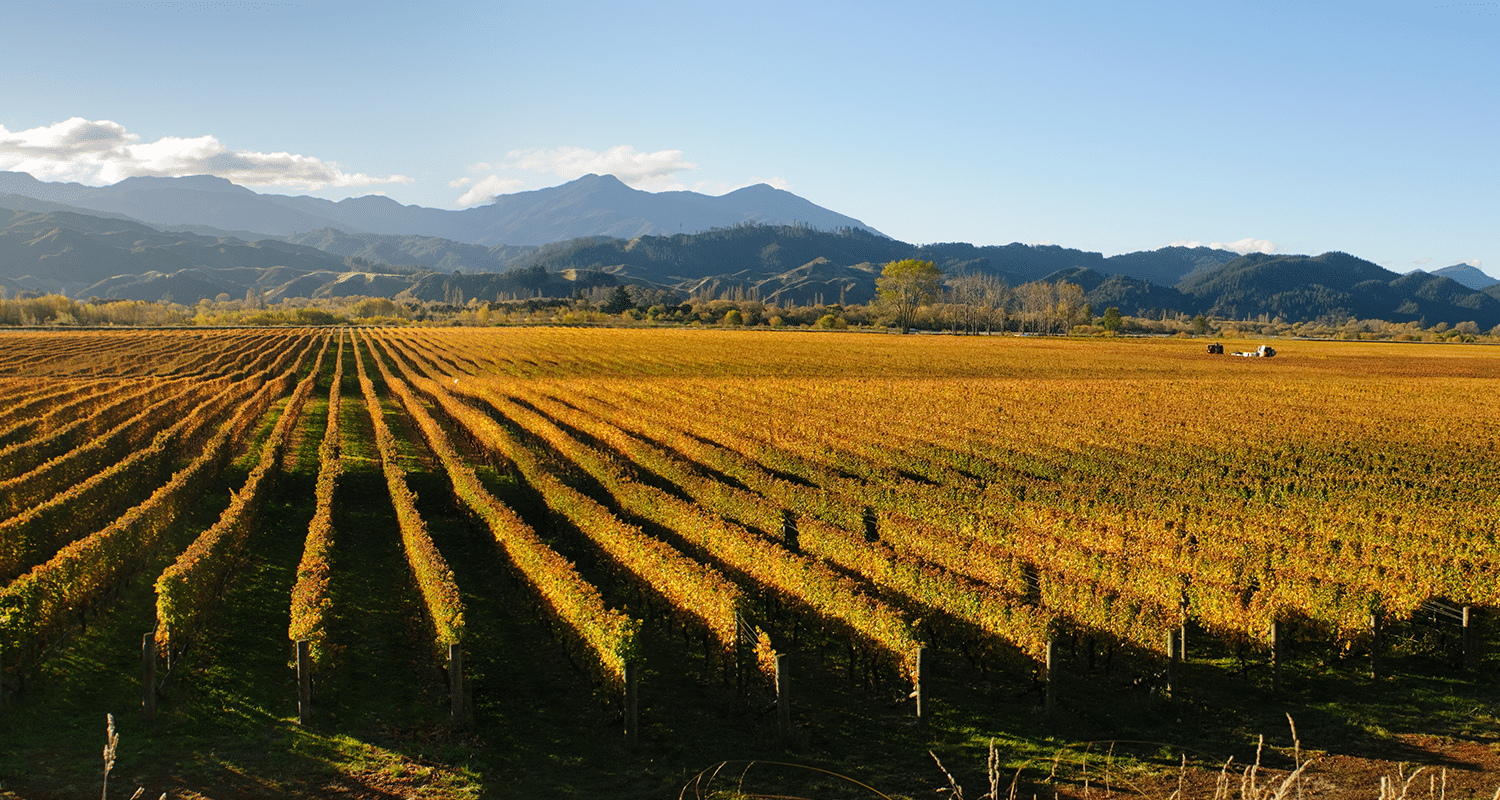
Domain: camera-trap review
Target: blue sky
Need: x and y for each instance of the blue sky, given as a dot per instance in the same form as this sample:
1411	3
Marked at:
1367	127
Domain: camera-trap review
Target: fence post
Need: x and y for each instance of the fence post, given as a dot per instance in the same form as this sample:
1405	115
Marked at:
148	675
783	696
1277	653
739	654
456	682
923	712
1377	643
1051	675
1470	639
1173	661
632	702
304	682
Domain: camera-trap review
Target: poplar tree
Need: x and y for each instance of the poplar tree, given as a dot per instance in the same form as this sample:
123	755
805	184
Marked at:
905	285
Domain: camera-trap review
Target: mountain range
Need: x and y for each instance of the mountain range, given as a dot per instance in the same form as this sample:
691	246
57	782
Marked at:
592	205
196	237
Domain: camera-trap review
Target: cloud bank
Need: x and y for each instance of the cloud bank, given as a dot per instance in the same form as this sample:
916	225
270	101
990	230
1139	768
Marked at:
1243	246
103	152
486	189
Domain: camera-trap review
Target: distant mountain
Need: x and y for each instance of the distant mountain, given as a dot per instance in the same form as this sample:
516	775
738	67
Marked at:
110	257
1132	296
66	251
750	253
26	185
84	255
1334	285
594	205
21	202
87	256
517	283
1168	265
443	255
193	200
1467	275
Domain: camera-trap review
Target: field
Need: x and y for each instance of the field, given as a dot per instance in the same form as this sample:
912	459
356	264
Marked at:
586	562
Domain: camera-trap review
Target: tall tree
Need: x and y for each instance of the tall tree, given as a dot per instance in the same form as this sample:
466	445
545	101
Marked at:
905	285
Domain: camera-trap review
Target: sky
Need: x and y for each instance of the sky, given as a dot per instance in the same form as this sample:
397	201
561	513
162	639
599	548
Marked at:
1287	127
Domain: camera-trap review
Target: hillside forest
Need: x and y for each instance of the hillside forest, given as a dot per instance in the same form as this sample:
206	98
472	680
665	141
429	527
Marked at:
965	305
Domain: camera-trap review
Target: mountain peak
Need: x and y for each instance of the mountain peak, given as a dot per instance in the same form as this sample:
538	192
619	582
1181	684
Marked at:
371	201
755	189
1467	275
197	183
594	179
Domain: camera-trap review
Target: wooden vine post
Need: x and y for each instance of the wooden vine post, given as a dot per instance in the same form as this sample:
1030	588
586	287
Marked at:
740	684
1049	667
783	697
1470	639
304	682
1174	660
456	683
1278	647
920	689
148	675
633	702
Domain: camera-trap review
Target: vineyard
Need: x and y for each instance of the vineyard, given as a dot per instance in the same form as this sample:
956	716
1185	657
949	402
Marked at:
511	557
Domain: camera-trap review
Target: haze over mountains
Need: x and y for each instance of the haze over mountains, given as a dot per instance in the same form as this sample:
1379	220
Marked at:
201	236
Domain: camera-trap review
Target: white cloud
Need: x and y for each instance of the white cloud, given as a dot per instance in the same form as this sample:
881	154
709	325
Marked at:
640	170
1421	261
1248	245
104	152
485	190
1243	246
1474	262
457	182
